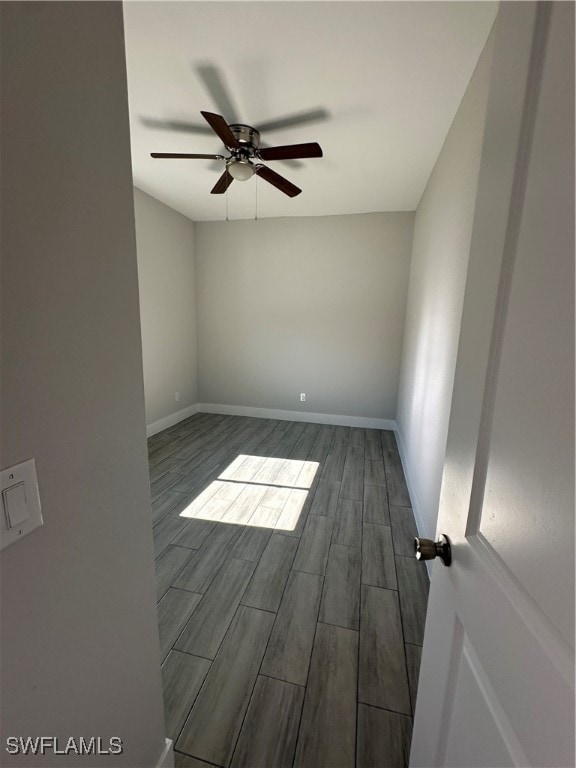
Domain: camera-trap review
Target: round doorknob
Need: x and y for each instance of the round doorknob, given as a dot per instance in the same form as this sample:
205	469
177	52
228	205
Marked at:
426	549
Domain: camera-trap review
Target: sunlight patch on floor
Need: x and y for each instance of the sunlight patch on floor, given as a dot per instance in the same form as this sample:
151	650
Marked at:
256	491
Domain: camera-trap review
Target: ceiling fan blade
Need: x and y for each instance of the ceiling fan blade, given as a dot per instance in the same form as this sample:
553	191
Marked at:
214	84
220	127
290	163
311	116
177	155
291	151
175	125
222	184
278	181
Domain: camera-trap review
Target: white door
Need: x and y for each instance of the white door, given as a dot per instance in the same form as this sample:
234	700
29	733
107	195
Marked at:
497	676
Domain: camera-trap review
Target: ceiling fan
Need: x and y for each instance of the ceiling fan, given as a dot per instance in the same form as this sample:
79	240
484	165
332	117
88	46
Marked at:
243	143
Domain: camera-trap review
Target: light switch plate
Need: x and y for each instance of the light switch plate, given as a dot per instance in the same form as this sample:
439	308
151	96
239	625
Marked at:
20	500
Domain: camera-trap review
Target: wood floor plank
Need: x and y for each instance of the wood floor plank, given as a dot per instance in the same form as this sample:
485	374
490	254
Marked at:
157	452
388	440
182	676
268	735
341	594
227	490
376	505
166	531
333	467
374	473
378	566
185	761
413	658
158	468
275	497
302	448
174	610
268	471
352	483
285	447
328	729
383	680
215	509
264	517
312	554
251	543
168	567
373	444
245	470
245	505
214	723
274	437
164	504
325	499
288	654
413	586
165	446
199	573
403	530
357	437
308	475
252	445
241	468
196	499
192	462
355	457
289	473
348	523
195	533
182	506
187	447
398	495
322	444
341	440
293	516
269	580
163	483
383	738
211	465
210	621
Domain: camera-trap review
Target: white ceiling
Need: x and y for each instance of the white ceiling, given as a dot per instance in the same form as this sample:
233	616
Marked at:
390	74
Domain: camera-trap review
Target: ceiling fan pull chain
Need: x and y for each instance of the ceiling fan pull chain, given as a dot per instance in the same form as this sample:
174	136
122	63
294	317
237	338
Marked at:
256	193
227	219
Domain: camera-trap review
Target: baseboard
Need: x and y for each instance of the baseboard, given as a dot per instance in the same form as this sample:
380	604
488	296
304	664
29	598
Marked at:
166	759
169	421
313	418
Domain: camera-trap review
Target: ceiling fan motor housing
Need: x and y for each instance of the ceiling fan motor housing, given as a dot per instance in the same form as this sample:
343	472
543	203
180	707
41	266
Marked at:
247	137
240	166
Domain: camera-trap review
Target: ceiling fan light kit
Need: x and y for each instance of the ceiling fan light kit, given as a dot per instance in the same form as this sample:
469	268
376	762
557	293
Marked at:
243	143
241	170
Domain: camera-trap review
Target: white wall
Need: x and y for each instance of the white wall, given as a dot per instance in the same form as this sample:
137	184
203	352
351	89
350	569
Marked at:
313	305
442	233
166	276
80	652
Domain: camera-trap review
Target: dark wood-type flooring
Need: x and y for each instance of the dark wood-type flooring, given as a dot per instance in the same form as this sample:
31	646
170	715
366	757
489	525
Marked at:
291	608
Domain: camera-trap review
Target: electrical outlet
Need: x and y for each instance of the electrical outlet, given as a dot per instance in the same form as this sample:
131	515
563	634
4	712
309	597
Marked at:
176	396
302	397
